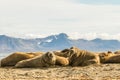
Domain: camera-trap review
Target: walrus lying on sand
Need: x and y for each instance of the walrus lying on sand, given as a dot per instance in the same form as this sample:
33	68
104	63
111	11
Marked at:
46	60
12	59
107	57
79	57
73	56
113	59
117	52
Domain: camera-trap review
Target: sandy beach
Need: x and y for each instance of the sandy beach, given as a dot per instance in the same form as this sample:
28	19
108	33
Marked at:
92	72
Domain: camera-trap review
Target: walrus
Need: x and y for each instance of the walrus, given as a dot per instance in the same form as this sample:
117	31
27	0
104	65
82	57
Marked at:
109	57
46	60
117	52
113	59
79	57
13	58
105	56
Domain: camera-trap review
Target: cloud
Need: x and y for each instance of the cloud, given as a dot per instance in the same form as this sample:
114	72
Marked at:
73	35
103	2
91	36
56	16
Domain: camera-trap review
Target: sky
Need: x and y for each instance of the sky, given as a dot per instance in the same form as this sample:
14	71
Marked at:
78	18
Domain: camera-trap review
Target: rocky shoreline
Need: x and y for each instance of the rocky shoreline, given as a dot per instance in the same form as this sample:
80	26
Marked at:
92	72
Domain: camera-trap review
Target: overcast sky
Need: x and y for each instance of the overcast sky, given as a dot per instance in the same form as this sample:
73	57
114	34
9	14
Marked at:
43	17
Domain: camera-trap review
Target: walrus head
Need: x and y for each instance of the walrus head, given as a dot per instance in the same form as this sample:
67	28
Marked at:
50	57
67	52
109	52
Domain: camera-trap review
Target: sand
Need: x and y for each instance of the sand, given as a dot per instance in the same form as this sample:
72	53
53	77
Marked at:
92	72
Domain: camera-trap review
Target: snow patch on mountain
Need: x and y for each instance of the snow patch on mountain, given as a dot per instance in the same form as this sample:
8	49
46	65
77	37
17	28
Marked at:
49	40
39	43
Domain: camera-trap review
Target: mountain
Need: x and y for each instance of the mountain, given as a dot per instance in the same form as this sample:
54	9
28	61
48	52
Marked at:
8	44
55	42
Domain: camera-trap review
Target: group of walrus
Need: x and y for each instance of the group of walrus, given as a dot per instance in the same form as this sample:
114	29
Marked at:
67	57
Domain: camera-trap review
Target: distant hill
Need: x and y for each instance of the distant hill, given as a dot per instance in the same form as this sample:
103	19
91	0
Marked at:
55	42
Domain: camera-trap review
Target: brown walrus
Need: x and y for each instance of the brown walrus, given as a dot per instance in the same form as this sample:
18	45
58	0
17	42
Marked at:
107	57
117	52
13	58
79	57
46	60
